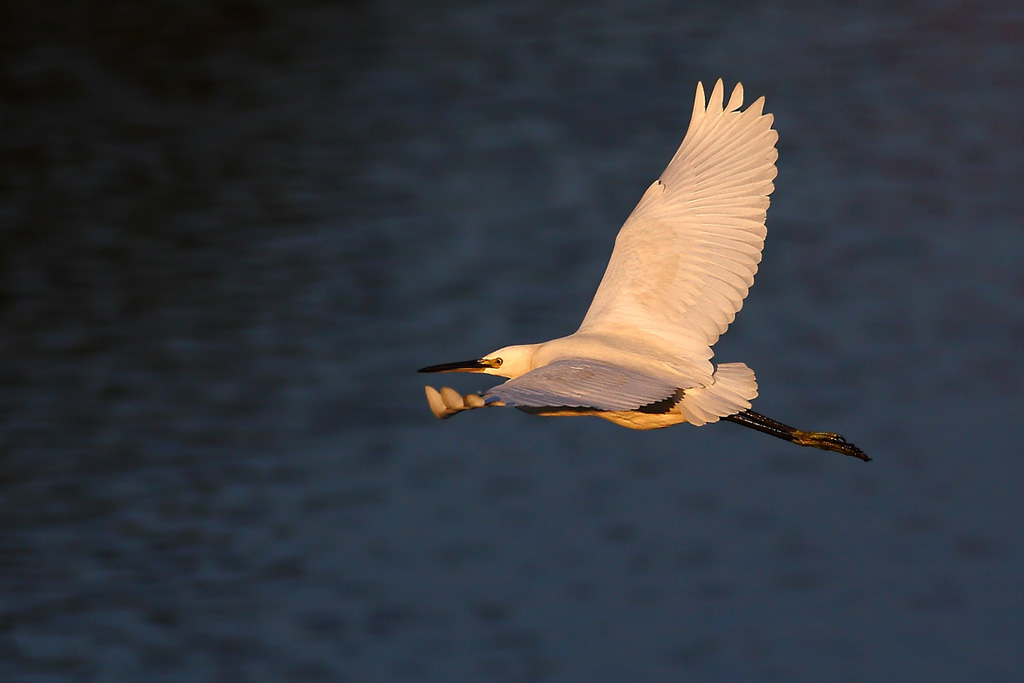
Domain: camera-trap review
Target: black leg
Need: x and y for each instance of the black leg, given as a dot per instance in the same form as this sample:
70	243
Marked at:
824	440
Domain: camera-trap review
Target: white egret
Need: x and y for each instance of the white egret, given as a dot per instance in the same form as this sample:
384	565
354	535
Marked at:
682	264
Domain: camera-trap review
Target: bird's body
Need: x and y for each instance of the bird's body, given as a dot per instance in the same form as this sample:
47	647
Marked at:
682	265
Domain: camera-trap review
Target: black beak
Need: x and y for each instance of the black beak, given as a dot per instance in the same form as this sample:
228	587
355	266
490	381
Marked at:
461	366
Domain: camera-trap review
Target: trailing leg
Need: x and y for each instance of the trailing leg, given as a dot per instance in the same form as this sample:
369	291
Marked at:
824	440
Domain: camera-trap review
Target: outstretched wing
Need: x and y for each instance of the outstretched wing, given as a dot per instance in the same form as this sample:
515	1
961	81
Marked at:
686	257
582	383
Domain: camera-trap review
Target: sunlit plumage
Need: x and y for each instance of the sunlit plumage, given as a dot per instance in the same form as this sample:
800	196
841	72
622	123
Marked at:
682	265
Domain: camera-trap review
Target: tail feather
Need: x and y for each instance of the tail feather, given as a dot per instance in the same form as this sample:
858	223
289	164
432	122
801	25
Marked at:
735	386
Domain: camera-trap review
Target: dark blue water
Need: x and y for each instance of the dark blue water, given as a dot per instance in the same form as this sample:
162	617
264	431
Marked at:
231	231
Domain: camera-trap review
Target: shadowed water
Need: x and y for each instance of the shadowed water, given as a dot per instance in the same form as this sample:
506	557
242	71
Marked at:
232	231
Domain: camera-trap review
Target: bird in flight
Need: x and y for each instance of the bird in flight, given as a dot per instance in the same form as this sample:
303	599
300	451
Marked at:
682	265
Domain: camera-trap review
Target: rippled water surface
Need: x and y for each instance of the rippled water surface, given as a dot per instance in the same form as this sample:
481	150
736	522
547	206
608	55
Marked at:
232	231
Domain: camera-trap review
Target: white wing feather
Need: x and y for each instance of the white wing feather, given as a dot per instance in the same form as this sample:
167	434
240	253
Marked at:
686	257
583	383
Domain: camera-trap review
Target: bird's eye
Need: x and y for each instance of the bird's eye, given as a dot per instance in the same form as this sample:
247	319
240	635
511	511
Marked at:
496	362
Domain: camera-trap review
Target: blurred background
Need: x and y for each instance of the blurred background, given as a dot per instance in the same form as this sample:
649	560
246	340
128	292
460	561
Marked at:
232	230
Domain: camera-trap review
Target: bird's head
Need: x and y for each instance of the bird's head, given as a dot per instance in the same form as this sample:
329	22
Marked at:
509	361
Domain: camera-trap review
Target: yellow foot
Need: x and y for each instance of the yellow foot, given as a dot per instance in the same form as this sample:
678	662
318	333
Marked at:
829	442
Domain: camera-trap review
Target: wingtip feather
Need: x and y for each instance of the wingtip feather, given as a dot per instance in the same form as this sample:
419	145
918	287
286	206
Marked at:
757	106
717	96
437	404
736	99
